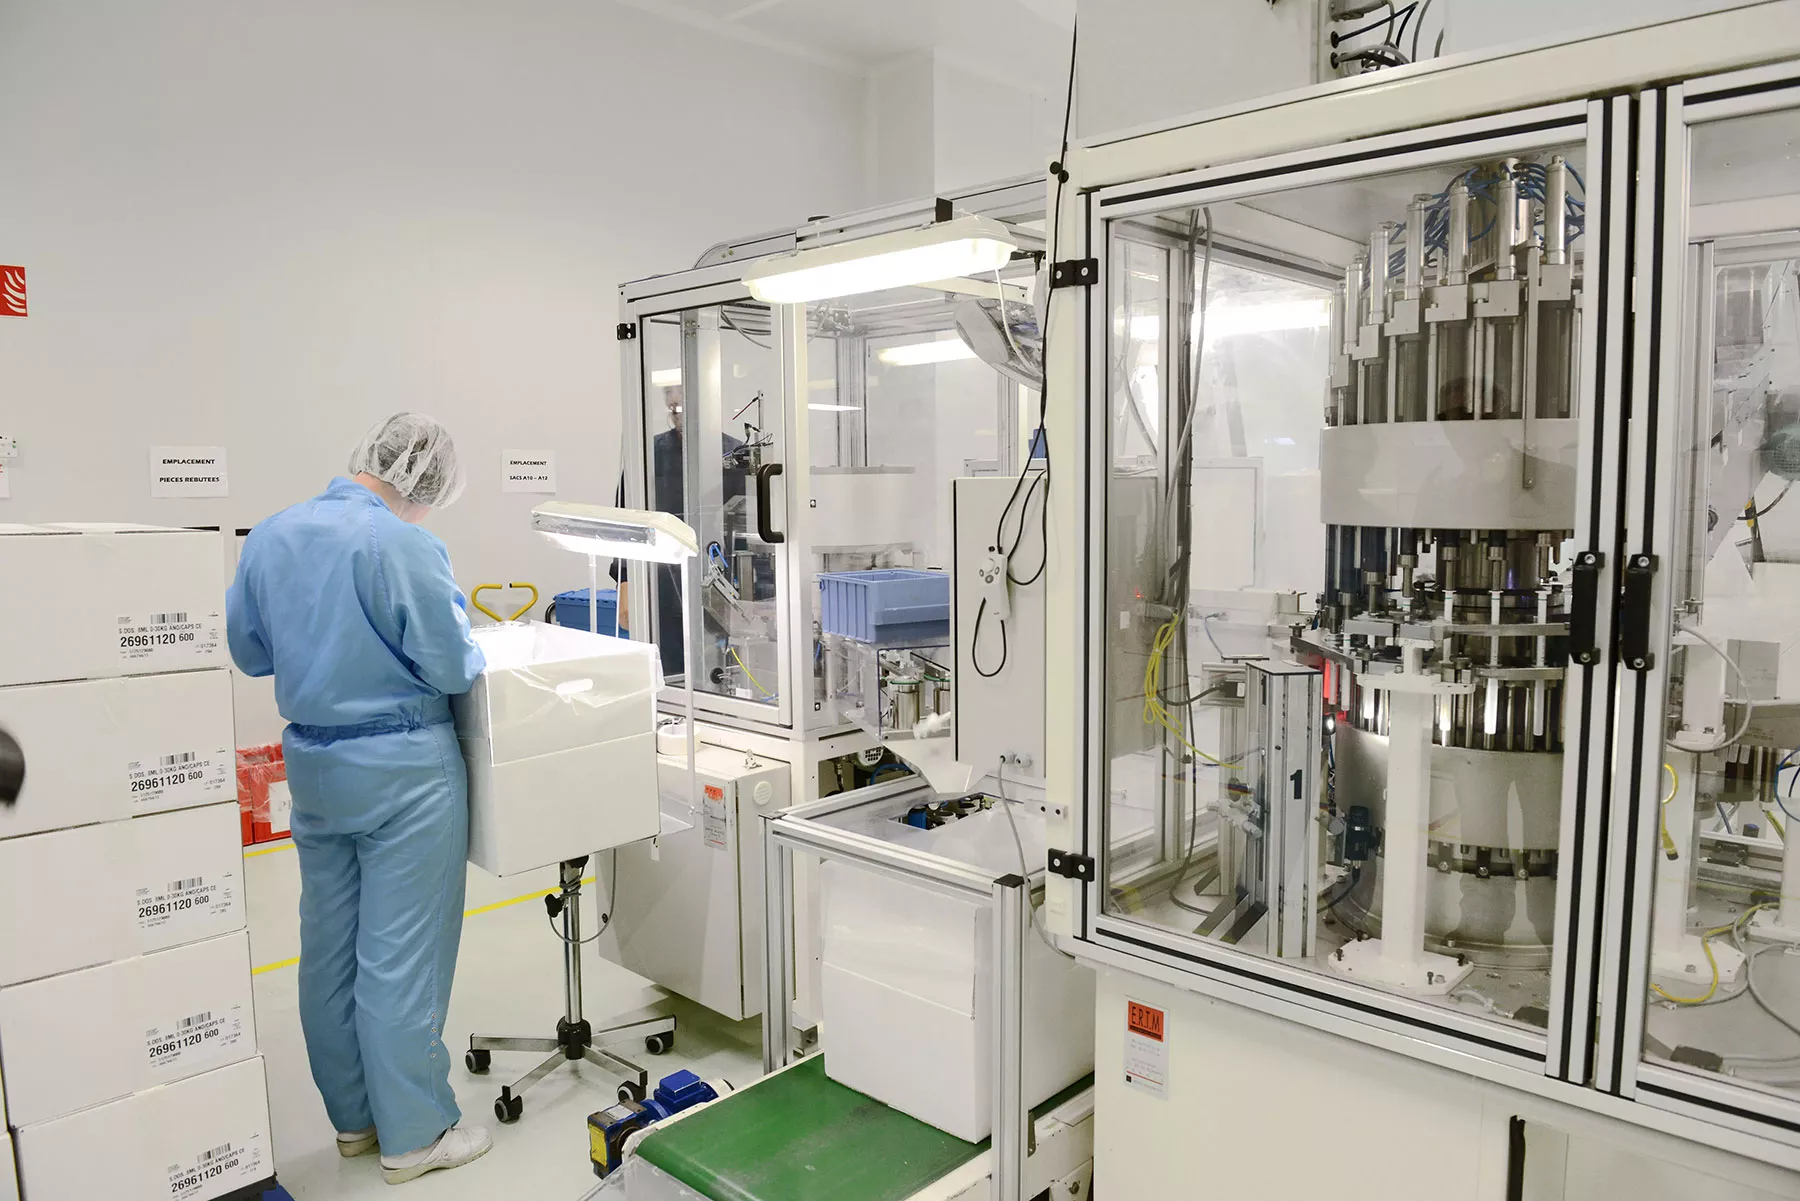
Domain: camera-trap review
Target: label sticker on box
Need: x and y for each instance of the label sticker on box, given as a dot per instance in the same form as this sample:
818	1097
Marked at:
180	779
170	641
1146	1050
198	1035
216	1169
713	821
182	899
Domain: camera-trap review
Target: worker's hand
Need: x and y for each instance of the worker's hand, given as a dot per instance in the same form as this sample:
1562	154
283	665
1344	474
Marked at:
624	606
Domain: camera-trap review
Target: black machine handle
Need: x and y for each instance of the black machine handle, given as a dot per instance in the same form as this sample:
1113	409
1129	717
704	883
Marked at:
12	769
1634	613
1584	607
768	533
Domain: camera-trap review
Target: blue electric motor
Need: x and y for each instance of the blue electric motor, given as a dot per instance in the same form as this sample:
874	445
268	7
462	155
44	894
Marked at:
608	1129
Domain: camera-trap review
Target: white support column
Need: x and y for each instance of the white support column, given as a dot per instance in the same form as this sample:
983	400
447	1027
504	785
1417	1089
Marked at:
1399	958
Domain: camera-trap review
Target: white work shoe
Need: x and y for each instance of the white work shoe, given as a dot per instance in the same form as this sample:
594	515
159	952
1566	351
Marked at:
358	1142
455	1147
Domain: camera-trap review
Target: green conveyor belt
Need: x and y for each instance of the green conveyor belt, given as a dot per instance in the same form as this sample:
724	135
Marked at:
801	1136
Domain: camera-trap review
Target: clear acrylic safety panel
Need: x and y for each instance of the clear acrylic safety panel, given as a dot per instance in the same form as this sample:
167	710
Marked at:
1342	453
1723	1001
898	406
715	372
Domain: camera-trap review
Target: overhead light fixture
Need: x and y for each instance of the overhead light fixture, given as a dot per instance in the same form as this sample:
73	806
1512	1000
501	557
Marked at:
637	534
906	258
917	354
666	379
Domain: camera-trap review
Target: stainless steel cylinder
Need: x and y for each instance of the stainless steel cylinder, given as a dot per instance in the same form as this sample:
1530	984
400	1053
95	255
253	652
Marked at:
1413	280
1353	308
1556	217
1380	245
1506	224
1456	246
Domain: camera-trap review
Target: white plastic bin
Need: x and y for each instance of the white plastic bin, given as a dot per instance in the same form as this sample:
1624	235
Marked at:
908	987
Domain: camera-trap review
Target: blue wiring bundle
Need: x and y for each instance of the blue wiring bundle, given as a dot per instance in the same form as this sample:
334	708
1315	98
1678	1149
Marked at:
1532	180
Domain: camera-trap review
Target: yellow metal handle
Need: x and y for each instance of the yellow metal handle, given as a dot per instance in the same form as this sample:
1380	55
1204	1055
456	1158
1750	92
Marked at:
528	606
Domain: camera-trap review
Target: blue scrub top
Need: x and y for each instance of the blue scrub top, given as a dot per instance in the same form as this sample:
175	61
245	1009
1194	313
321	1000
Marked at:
355	613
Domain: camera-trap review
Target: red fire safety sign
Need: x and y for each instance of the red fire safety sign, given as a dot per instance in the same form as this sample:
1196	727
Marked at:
12	291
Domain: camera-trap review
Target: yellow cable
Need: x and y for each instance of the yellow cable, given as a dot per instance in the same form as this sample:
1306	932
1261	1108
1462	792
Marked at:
1706	945
1155	713
746	668
1668	840
1779	827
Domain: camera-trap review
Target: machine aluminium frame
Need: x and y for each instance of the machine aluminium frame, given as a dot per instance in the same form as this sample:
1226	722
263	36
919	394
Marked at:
718	281
1597	92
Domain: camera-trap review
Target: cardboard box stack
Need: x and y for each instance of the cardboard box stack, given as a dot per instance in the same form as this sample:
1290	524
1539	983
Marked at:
128	1055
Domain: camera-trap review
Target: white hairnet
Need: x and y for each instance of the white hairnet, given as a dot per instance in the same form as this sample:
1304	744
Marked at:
416	455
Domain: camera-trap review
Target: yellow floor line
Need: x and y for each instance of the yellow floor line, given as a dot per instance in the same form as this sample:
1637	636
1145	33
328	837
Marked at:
476	912
286	846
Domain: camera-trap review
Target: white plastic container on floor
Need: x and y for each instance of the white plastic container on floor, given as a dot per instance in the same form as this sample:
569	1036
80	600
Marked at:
130	600
99	893
140	1022
106	750
558	737
194	1140
9	1172
908	987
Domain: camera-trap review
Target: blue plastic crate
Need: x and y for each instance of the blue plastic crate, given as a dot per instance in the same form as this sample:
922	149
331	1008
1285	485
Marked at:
894	605
572	609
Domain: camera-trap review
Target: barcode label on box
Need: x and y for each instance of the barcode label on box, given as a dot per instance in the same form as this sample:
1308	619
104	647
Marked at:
194	1043
179	779
217	1170
191	898
170	640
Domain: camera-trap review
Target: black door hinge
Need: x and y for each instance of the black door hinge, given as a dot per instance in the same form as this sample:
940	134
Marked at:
1634	613
1584	607
1075	273
627	331
1071	866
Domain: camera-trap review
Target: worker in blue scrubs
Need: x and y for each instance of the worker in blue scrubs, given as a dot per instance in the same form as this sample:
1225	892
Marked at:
352	607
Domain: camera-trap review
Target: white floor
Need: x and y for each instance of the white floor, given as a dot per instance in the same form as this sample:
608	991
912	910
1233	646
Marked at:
508	981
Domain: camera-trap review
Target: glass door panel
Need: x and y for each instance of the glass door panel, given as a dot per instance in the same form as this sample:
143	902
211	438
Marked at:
714	373
1344	440
1723	979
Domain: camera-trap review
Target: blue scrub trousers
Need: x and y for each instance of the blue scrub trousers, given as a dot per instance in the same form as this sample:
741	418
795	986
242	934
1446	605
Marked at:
381	823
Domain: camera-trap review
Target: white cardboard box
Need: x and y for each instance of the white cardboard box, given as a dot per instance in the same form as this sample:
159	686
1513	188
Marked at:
901	958
106	750
191	1141
140	1022
99	893
9	1172
557	734
128	600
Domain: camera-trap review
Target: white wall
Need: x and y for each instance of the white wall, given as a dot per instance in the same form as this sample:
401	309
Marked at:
1143	61
266	225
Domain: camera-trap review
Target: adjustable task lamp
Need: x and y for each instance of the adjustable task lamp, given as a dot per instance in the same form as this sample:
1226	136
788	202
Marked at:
638	535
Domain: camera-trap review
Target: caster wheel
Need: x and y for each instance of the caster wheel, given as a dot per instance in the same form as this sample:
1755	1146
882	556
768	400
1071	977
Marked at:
631	1090
660	1044
508	1109
478	1062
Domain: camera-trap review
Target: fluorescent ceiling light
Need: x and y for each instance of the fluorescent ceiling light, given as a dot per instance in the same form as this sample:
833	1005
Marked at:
944	250
917	354
638	534
666	379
